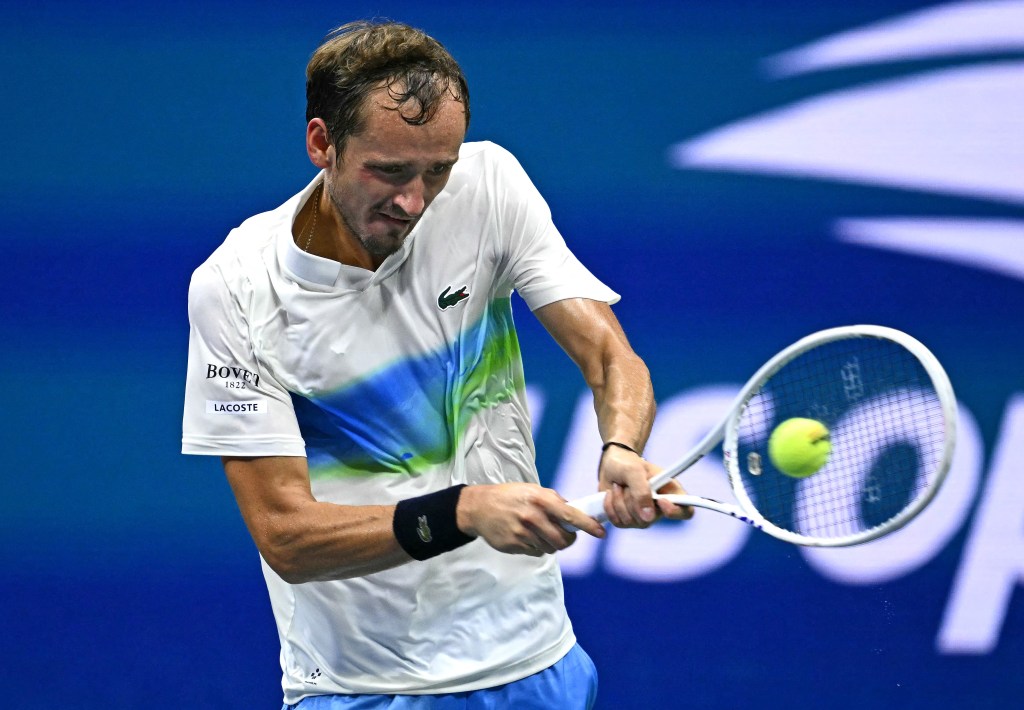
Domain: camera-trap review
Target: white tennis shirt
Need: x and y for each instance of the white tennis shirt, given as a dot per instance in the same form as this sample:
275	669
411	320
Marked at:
393	384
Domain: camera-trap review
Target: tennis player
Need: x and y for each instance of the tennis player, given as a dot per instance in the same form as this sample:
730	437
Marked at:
352	359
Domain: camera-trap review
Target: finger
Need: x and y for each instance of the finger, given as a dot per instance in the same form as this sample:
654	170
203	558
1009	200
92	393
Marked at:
571	519
618	510
547	546
640	504
674	512
630	511
547	537
672	486
671	510
541	544
609	506
561	521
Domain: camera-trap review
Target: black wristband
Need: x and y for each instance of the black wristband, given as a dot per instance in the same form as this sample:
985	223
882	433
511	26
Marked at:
426	527
620	445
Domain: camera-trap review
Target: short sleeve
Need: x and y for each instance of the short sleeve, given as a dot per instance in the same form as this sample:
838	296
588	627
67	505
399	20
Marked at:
540	265
233	406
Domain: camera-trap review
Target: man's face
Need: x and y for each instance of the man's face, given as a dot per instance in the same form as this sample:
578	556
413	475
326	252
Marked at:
387	175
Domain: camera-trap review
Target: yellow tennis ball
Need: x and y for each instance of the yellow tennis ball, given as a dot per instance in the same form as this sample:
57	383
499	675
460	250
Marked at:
799	447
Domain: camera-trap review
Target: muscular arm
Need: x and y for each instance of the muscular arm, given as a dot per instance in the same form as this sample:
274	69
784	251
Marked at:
301	538
305	540
623	399
623	395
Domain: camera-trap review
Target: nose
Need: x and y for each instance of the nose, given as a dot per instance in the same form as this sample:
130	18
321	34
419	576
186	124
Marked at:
412	199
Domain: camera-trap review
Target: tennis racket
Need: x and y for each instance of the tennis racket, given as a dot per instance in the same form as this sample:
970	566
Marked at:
891	416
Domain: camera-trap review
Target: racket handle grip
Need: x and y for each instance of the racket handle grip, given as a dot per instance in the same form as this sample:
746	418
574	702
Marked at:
592	505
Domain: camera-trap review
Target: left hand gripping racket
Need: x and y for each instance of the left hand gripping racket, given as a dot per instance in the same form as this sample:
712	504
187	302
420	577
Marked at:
891	414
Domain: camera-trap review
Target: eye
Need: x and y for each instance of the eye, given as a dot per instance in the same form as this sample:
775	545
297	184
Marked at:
440	169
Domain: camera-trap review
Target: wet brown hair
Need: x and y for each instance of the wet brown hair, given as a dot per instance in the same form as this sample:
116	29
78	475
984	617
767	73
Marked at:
358	58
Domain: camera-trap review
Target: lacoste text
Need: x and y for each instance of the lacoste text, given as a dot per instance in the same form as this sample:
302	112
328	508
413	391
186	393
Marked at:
256	407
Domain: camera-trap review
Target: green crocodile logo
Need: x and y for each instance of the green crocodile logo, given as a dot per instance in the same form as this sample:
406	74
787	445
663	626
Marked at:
423	529
447	300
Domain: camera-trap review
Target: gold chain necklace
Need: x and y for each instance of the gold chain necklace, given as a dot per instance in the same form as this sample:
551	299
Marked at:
316	213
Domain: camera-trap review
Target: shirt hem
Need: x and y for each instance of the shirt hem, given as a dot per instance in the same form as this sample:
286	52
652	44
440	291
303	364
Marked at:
552	295
243	446
488	679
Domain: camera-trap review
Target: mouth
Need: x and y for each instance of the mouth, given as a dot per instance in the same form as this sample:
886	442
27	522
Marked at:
395	221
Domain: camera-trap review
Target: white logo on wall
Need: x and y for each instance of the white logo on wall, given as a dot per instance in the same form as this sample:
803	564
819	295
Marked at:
947	131
953	131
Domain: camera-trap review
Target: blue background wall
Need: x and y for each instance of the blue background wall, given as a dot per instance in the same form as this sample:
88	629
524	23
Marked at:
737	195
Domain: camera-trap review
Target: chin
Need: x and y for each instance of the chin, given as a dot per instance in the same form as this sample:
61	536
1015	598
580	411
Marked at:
384	246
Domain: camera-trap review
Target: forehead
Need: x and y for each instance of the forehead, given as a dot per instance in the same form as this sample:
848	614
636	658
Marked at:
387	135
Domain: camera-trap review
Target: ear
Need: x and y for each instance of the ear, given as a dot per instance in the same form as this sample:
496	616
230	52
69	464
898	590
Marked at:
318	144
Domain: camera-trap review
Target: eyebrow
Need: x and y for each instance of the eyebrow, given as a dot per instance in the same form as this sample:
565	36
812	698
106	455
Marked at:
373	163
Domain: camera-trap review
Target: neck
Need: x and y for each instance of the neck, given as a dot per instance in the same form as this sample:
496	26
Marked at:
331	238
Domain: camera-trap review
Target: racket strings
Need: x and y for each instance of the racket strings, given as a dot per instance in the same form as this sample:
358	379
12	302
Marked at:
887	433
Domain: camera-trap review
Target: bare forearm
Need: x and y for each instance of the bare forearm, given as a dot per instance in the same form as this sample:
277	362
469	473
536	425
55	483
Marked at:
305	540
624	401
517	518
301	538
325	541
623	395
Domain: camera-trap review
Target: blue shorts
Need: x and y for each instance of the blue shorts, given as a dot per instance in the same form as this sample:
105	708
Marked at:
570	684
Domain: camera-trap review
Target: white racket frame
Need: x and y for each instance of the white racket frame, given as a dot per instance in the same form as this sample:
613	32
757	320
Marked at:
727	433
